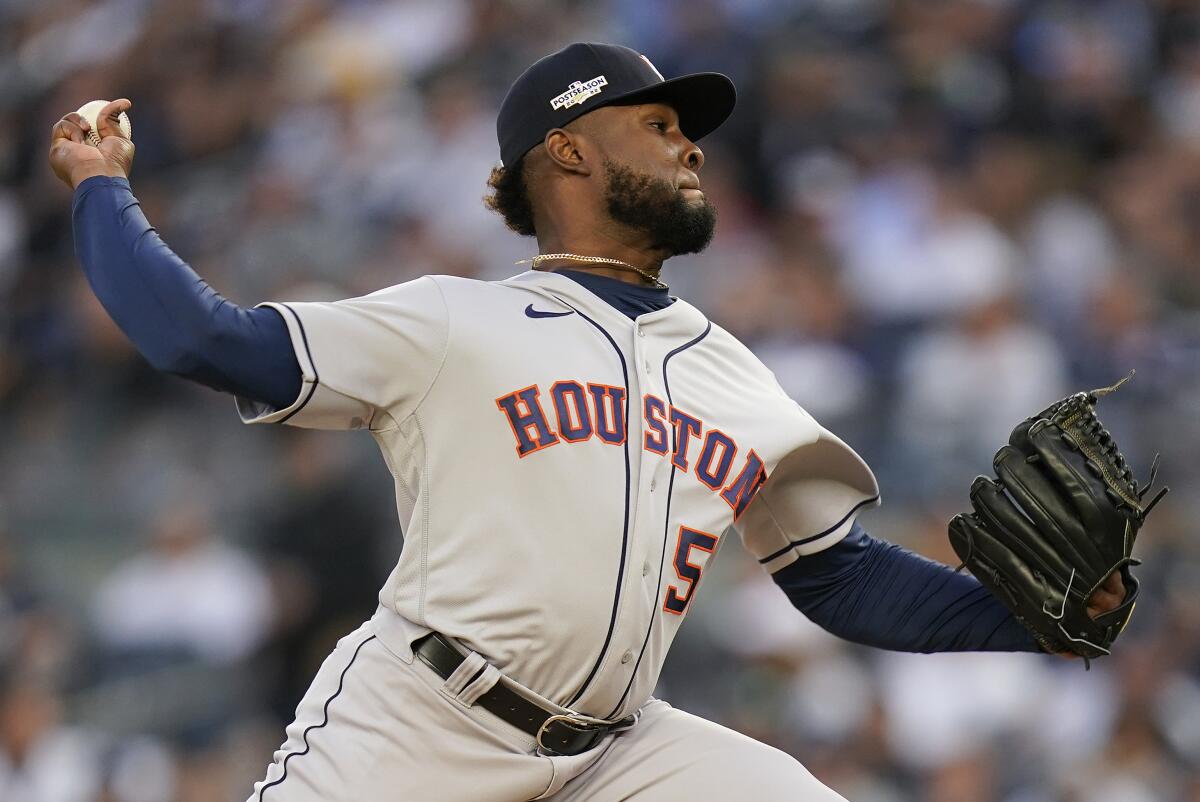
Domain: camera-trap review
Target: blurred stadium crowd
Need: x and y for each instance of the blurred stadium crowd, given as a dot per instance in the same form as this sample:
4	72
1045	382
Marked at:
936	217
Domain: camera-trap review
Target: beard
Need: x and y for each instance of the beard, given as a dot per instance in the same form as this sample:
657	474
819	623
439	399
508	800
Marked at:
655	207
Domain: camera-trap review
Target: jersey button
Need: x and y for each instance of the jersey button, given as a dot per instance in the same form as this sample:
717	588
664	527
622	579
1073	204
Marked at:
641	332
645	569
625	658
653	484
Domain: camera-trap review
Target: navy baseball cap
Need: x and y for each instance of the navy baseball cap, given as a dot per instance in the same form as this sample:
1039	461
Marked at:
583	77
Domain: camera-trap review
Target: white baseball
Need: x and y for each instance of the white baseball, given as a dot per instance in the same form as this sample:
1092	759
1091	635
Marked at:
90	111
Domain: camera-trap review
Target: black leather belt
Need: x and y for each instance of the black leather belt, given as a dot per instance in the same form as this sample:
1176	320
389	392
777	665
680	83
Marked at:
555	733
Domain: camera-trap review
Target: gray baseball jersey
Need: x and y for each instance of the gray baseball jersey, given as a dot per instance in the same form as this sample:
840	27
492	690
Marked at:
564	473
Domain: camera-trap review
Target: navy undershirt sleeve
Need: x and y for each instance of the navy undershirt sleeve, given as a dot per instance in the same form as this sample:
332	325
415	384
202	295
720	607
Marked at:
879	594
172	316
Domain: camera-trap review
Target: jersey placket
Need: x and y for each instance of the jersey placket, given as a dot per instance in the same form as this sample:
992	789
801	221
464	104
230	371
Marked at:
656	476
653	476
649	508
640	583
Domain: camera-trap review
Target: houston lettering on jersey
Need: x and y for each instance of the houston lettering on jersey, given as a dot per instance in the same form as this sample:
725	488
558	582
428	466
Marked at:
575	412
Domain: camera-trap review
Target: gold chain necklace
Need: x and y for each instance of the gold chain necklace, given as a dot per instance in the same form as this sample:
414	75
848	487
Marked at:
544	257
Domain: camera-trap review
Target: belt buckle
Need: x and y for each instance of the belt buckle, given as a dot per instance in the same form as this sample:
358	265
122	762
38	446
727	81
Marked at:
581	723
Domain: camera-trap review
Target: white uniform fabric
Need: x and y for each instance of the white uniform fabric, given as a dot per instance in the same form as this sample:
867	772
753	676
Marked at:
564	473
379	725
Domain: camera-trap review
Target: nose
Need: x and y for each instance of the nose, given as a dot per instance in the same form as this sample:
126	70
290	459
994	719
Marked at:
693	157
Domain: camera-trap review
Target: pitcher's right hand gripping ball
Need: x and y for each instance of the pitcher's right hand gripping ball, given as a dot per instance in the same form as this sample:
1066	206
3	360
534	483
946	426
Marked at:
1059	518
74	158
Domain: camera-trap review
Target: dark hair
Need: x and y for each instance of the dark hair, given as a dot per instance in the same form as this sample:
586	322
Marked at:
509	197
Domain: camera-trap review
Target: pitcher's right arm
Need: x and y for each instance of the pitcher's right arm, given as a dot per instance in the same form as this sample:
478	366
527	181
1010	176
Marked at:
171	315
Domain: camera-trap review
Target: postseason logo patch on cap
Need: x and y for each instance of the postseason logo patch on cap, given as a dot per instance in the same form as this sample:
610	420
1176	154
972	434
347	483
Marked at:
578	92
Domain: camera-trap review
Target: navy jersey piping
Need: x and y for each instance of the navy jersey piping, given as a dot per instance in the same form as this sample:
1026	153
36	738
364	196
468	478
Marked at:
312	388
820	534
612	621
341	682
666	523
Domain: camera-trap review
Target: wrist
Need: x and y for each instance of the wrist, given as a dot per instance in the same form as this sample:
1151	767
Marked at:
92	171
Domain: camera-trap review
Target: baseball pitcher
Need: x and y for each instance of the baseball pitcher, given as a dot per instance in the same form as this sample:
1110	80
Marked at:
569	447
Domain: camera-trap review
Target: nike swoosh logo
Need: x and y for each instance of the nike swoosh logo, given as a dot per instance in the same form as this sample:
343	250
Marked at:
531	312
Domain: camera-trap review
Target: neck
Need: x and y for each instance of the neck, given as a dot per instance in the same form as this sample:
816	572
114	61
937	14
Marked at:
597	265
639	259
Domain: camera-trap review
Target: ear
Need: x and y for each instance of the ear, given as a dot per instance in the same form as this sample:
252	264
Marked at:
566	149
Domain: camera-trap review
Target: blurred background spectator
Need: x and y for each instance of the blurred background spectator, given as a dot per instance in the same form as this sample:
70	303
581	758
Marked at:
937	216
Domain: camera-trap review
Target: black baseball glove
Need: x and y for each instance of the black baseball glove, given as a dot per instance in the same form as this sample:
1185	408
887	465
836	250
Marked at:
1060	516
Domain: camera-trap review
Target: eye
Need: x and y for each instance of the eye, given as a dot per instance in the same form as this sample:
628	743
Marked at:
659	124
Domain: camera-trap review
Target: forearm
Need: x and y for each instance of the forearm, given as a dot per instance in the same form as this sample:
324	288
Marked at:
171	315
879	594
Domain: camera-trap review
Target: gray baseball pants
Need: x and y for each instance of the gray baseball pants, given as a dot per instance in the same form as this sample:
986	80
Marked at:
380	726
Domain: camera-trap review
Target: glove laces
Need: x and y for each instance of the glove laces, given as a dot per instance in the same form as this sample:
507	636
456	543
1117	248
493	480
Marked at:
1109	448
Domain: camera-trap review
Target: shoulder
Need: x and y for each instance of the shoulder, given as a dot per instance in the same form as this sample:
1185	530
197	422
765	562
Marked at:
433	292
739	354
723	337
459	290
